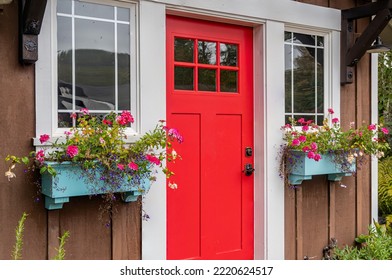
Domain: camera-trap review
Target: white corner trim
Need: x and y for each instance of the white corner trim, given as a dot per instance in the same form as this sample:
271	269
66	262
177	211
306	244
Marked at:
374	119
273	120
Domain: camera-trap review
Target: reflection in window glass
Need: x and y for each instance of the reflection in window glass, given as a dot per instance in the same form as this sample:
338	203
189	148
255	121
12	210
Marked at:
207	52
304	76
228	54
95	74
228	81
183	78
64	6
183	50
207	79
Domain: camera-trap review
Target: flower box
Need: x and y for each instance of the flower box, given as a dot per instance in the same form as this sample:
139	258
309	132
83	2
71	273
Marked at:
71	181
303	168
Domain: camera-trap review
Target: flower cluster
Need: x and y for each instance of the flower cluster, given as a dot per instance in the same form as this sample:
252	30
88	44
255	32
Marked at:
344	146
315	140
100	143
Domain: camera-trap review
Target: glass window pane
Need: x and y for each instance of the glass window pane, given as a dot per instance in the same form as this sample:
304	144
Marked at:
320	41
123	14
207	79
207	52
228	81
95	64
183	50
288	36
304	39
320	81
64	6
64	120
124	70
228	54
183	78
288	76
94	10
304	80
64	62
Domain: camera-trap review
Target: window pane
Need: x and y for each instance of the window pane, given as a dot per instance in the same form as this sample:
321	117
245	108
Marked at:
183	78
288	36
207	80
228	54
123	14
64	6
228	81
304	80
320	81
95	64
64	120
304	39
183	50
288	80
320	41
94	10
124	70
207	52
64	63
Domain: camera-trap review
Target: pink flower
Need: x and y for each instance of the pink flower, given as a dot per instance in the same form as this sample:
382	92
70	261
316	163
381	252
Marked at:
286	126
73	116
331	111
305	128
67	133
372	127
175	134
120	166
43	138
302	138
335	120
40	156
306	149
72	151
125	118
107	122
301	121
295	142
317	157
311	155
153	159
84	111
385	130
133	166
313	146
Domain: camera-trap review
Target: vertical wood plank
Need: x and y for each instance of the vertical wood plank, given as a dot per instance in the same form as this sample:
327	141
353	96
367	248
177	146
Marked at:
332	210
290	224
53	232
299	226
126	233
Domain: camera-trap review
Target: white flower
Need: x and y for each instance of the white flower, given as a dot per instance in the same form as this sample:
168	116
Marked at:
9	174
174	154
173	186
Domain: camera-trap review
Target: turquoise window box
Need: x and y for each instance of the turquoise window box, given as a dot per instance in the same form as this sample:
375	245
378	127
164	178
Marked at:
303	168
71	181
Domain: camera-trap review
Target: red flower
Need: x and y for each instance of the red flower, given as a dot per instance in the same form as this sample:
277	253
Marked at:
43	138
153	159
72	151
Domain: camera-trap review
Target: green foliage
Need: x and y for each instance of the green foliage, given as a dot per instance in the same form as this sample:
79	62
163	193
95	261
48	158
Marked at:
376	245
385	188
17	250
385	91
61	250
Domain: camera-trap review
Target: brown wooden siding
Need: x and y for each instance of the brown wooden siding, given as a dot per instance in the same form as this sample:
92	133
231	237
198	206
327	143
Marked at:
89	237
320	210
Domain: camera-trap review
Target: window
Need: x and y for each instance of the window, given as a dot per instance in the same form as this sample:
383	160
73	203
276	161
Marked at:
95	59
304	77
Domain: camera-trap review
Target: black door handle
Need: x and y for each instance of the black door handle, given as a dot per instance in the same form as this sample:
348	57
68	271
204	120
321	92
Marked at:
248	169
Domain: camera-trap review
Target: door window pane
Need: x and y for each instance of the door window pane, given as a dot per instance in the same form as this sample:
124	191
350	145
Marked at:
207	79
207	52
183	50
183	78
228	54
229	81
94	10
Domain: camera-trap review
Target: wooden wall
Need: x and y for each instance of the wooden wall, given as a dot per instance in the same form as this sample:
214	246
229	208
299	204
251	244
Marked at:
320	210
89	237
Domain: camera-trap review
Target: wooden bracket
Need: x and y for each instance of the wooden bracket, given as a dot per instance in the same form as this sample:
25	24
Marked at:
353	49
31	14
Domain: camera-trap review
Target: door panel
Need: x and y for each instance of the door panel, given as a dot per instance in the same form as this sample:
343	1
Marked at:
210	101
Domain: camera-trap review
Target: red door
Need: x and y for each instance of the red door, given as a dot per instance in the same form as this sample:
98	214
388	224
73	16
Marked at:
210	101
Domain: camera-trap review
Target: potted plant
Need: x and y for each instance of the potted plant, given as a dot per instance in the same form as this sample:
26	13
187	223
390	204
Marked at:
312	149
95	158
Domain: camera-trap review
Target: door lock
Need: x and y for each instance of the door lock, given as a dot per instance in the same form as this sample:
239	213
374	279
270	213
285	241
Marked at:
248	169
248	151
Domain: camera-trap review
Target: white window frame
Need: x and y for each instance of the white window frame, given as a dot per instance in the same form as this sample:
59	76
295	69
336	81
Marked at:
46	73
